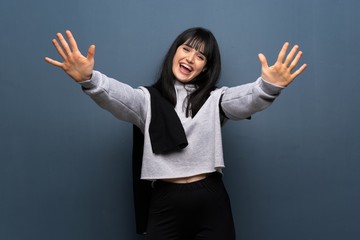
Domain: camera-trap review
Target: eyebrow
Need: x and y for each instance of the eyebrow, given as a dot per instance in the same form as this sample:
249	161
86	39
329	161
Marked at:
194	47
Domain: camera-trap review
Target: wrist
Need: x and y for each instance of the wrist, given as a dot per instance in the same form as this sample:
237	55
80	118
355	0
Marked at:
88	77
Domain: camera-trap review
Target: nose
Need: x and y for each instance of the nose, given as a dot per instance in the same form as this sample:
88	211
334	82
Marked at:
190	57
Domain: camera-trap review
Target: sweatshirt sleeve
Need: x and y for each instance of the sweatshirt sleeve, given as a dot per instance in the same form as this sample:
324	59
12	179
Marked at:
121	100
242	101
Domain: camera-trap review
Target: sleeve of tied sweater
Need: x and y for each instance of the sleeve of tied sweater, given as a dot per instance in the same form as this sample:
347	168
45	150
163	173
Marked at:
123	101
242	101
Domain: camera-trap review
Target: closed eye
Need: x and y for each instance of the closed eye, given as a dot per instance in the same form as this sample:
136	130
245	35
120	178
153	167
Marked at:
199	54
186	49
201	57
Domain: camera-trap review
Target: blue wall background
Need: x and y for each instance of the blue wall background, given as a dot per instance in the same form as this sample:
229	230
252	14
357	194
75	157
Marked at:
292	171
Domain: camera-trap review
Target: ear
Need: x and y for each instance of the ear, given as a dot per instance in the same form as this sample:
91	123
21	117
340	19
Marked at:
204	69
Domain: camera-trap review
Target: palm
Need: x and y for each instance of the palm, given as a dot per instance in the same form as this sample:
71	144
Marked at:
282	72
75	64
78	66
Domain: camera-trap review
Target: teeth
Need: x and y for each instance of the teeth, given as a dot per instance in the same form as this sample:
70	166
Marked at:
186	66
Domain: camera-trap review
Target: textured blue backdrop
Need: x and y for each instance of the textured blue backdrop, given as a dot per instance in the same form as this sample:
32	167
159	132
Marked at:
292	171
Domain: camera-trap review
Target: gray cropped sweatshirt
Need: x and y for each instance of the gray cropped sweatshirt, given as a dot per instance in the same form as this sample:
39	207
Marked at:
204	153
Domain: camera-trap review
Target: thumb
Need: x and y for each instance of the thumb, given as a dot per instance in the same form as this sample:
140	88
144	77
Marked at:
263	60
91	53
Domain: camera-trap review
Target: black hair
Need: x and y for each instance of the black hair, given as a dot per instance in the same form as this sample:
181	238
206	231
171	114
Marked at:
205	82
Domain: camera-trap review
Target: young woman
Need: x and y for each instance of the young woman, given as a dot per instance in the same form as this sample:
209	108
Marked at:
188	198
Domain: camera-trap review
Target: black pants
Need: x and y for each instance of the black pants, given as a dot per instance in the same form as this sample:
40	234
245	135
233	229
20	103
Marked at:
193	211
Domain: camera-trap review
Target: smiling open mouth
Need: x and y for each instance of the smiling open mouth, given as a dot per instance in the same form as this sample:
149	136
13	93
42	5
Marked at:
186	69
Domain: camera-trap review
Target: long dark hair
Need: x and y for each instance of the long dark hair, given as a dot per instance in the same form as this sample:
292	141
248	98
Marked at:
205	82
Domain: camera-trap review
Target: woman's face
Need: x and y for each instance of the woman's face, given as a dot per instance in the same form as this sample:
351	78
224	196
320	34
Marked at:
188	63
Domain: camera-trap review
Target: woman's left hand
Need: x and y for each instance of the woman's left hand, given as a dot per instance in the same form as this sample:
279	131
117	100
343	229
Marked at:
282	73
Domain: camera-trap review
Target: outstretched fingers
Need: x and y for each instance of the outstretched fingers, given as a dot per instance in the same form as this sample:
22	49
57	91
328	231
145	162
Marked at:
284	71
53	62
64	44
77	66
282	53
61	52
91	53
299	70
72	41
290	57
263	60
59	49
296	60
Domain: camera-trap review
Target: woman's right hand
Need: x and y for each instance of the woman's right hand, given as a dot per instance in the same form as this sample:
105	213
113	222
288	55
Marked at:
77	66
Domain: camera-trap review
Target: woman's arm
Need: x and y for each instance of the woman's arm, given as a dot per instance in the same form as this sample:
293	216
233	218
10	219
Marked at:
242	101
123	101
